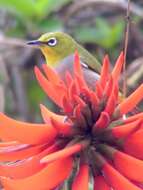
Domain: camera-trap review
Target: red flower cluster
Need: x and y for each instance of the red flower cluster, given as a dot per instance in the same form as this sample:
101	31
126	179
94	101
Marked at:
92	141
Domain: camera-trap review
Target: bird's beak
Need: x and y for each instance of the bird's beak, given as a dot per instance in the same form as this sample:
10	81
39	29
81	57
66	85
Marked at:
35	43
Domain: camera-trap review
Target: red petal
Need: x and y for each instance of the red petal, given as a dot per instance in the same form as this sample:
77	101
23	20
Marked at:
129	103
68	151
99	90
100	183
77	65
116	180
19	152
102	122
10	143
129	166
81	180
133	145
63	128
110	106
27	133
68	78
26	167
47	115
118	67
124	130
49	177
104	71
134	117
47	87
51	74
108	87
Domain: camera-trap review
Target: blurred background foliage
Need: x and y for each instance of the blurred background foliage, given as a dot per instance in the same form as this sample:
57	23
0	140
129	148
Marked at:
99	25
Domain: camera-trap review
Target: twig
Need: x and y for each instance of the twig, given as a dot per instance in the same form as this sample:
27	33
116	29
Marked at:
126	47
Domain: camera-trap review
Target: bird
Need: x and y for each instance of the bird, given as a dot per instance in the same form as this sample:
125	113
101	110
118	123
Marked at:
58	49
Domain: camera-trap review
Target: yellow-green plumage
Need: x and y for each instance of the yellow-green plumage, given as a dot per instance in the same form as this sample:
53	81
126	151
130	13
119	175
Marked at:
64	47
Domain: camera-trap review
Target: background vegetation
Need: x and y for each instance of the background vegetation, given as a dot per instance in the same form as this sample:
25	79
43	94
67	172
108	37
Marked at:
98	25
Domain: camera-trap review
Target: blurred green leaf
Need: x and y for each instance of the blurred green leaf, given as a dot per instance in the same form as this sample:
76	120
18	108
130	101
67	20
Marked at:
26	7
45	7
50	25
103	33
34	8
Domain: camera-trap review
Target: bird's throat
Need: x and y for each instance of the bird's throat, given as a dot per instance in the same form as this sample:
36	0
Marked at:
51	58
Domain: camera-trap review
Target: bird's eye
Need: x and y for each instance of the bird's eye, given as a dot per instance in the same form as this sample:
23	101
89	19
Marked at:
52	42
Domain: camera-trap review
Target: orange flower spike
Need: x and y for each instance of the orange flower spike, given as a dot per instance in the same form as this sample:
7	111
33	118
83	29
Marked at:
67	106
19	169
116	180
58	171
68	78
47	87
100	183
102	122
129	103
47	115
72	90
108	87
104	71
111	104
63	128
123	131
82	178
51	74
133	145
129	166
19	152
77	65
68	151
79	101
9	143
26	133
118	67
99	90
134	117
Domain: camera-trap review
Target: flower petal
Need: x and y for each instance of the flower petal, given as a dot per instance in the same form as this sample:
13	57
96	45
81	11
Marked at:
47	115
129	103
133	145
122	131
47	87
100	183
28	167
116	180
104	71
49	177
129	166
19	152
27	133
118	67
81	180
51	74
68	151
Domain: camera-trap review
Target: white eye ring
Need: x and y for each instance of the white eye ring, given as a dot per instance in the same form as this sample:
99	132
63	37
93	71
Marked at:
52	42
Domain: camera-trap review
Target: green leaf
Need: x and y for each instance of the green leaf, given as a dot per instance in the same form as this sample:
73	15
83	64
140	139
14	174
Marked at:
24	7
103	33
50	25
45	7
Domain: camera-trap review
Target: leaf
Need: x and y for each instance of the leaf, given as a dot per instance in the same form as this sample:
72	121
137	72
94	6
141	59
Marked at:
45	7
102	33
25	7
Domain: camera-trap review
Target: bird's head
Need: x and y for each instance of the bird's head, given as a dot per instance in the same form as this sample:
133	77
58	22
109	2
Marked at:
55	46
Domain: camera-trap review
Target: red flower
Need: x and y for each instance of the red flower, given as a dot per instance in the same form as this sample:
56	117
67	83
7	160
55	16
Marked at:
91	140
